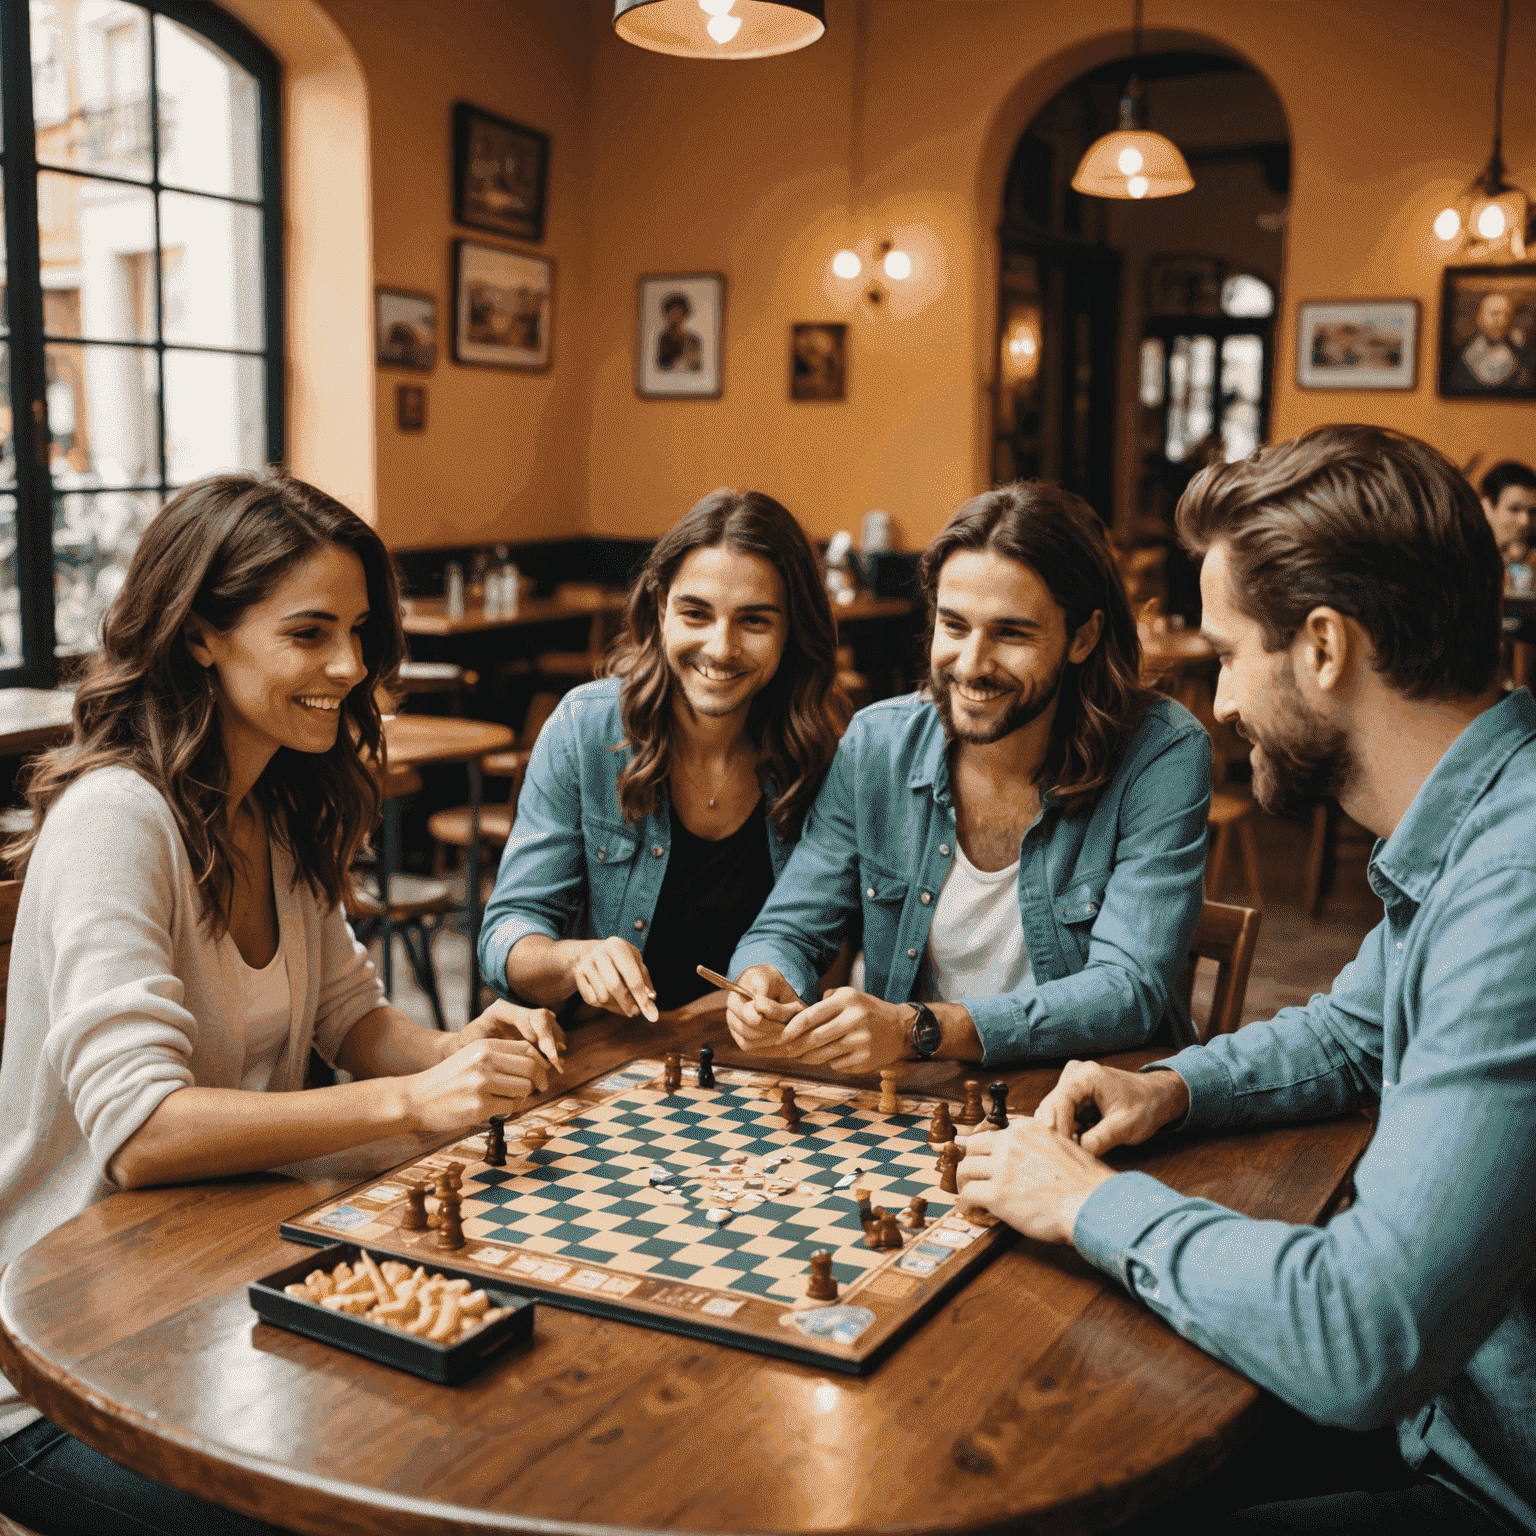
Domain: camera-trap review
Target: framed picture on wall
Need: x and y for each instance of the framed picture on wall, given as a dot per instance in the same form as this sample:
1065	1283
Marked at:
818	362
1488	333
411	407
500	174
503	307
405	329
681	336
1357	343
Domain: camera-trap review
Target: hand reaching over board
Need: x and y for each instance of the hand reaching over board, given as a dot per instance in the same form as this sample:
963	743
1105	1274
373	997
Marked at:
487	1077
757	1020
1103	1107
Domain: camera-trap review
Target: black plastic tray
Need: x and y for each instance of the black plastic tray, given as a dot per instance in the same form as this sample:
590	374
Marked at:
448	1364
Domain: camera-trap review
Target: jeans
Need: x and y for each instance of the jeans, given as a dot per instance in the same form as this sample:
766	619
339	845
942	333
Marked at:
56	1486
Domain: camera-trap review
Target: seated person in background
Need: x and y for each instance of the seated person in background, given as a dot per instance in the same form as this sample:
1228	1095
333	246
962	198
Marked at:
1509	502
1025	837
662	802
180	943
1351	587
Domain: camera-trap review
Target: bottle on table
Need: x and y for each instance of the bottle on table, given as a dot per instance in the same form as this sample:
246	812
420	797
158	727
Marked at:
501	587
453	589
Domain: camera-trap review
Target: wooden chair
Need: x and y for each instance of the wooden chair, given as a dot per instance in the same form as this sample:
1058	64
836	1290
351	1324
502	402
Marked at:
419	678
1227	811
1227	935
10	895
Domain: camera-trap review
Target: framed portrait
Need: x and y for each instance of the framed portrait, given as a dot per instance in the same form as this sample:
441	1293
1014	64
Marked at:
404	328
503	307
1488	333
411	407
678	352
818	361
1357	343
500	174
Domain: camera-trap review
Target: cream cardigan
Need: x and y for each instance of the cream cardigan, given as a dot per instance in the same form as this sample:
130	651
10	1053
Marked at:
118	996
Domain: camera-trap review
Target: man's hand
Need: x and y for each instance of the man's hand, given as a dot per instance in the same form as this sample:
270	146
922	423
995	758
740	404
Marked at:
1029	1177
483	1078
507	1021
611	975
1127	1107
759	1024
849	1031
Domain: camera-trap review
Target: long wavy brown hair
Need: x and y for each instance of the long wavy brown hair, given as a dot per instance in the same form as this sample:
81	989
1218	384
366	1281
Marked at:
1059	536
797	720
216	548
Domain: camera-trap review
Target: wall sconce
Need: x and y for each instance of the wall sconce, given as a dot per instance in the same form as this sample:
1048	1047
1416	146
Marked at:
720	29
895	263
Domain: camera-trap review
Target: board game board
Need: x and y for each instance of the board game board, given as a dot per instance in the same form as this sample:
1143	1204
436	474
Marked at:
696	1211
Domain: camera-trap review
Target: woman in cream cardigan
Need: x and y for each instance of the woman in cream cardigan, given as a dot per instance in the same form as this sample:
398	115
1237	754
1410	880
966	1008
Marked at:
180	944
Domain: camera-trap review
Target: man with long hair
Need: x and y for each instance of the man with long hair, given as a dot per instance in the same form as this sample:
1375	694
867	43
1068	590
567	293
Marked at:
1351	588
1024	839
663	800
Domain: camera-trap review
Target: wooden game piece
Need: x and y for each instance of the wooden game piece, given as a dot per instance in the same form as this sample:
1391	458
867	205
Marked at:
535	1137
706	1067
788	1108
971	1112
450	1229
889	1103
866	1216
415	1218
949	1162
872	1231
943	1128
887	1233
998	1118
383	1293
915	1216
823	1286
496	1143
452	1177
672	1071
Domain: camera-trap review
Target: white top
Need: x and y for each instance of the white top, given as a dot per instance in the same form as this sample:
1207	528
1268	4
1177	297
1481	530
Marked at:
976	945
119	995
267	1006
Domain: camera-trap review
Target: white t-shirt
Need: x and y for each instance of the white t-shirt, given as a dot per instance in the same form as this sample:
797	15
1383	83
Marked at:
267	1005
976	945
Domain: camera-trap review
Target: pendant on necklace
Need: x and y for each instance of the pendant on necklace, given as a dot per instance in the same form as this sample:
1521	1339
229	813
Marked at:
711	805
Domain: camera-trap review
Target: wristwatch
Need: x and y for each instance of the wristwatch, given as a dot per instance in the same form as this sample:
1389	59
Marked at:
924	1034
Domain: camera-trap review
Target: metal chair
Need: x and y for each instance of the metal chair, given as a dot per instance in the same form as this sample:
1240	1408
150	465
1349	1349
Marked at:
1229	936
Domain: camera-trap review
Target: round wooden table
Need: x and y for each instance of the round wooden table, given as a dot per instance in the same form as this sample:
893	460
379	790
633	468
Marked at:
1040	1394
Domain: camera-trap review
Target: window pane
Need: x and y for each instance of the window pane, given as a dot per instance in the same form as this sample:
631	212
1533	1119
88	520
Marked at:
98	245
5	287
215	414
211	255
7	424
92	111
1151	390
1242	387
94	537
201	85
103	416
10	596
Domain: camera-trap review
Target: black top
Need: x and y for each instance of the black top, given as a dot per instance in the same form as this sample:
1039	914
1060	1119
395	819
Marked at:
709	898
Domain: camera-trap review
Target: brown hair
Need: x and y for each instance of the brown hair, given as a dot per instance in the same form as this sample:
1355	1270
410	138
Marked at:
1059	536
217	547
797	719
1373	523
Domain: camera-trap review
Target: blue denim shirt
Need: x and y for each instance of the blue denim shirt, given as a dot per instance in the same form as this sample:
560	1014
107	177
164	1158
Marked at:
1419	1302
573	867
1109	901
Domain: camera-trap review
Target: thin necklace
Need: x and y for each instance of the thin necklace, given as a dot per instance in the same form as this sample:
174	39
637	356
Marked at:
712	794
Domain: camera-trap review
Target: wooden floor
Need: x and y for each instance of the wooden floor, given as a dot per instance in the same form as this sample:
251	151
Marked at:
1296	956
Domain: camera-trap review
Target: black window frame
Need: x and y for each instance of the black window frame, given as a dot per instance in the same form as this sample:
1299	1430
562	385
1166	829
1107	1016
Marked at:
41	667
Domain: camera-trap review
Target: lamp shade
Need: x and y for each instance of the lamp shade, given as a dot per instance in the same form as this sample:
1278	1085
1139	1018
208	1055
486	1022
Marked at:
726	29
1132	163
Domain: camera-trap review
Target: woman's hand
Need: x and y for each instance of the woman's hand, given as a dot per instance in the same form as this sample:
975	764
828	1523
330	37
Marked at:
484	1078
757	1025
508	1021
610	975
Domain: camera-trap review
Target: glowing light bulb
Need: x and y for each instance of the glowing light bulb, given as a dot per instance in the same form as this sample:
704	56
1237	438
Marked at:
898	265
1447	224
1130	160
1137	186
846	264
1490	221
716	7
723	28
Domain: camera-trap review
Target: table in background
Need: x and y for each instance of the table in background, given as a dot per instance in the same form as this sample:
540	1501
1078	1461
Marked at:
429	615
31	718
1040	1393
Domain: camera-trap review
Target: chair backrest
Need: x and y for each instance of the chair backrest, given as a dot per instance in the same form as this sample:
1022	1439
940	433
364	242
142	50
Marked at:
10	895
1227	935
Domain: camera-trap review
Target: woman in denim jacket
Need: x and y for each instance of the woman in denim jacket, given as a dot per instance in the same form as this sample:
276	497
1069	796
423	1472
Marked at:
662	802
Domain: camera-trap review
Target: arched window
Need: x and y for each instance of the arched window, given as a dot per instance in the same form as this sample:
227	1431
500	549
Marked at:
143	317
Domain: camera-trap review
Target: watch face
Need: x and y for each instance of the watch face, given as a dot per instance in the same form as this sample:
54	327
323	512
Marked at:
926	1033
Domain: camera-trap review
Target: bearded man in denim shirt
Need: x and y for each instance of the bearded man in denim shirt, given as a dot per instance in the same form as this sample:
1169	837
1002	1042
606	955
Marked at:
1024	839
1351	586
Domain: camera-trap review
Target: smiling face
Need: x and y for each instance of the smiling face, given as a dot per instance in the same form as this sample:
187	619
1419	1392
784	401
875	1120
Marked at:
999	646
723	629
283	670
1299	759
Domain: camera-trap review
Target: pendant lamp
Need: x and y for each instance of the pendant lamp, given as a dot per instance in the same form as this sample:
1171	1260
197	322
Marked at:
720	29
1491	216
1132	162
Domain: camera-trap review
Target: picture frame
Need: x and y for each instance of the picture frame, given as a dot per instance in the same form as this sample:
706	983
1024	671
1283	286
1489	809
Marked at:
405	329
503	307
1357	344
1488	333
500	174
680	338
411	407
818	360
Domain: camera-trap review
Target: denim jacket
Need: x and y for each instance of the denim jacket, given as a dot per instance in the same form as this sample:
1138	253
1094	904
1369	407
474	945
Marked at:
573	867
1108	900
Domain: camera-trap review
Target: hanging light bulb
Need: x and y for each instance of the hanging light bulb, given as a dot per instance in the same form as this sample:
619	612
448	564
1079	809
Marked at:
1447	224
1132	162
720	29
897	265
847	264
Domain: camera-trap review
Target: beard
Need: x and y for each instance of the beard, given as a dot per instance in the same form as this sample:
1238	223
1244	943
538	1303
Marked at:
1302	762
1026	707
